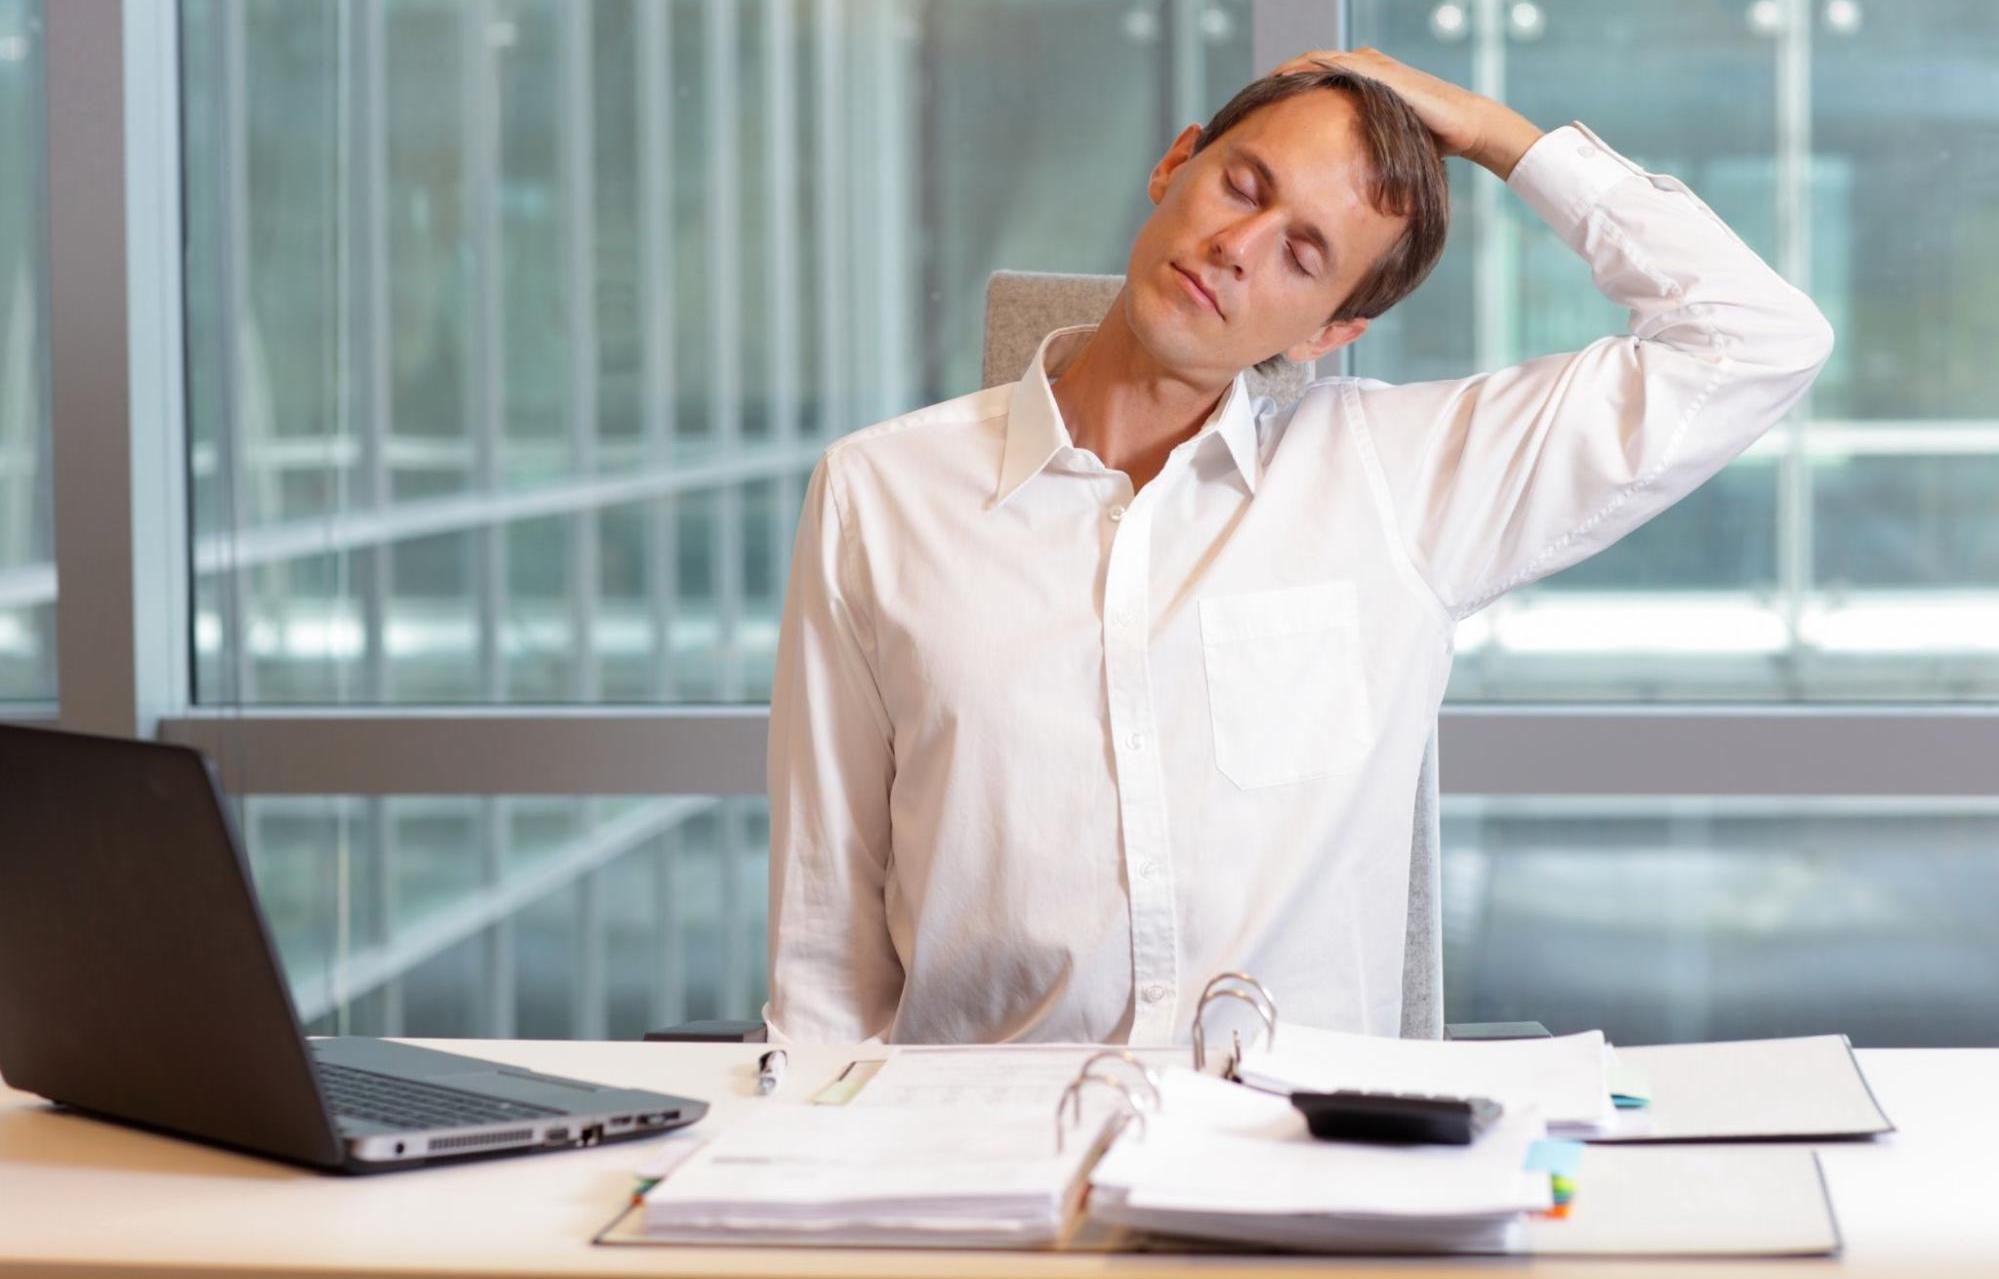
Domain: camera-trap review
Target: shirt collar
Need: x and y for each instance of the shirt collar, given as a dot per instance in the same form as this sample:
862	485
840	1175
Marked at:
1035	432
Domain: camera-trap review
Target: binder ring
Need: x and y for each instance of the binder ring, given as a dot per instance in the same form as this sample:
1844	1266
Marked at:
1072	1100
1256	997
1132	1059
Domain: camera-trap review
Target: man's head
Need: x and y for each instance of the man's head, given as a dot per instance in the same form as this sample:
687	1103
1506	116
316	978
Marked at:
1310	204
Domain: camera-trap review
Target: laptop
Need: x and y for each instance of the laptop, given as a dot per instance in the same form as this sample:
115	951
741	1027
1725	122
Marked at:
138	982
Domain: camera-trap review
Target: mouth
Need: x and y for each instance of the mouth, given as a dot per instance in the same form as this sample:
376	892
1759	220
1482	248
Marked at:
1199	290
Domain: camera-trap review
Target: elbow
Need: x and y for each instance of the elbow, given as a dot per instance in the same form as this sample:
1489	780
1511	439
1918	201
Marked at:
1818	339
1808	337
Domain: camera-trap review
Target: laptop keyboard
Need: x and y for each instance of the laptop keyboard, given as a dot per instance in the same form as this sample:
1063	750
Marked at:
405	1103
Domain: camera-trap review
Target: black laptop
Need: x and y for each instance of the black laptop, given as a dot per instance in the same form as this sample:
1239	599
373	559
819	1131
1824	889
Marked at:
138	982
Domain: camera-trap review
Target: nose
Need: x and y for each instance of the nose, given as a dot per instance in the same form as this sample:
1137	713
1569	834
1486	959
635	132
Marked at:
1236	245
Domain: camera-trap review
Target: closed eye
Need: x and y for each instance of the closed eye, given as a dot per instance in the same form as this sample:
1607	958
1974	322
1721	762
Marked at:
1289	252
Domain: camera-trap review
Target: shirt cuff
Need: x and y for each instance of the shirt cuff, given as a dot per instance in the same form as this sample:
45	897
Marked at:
1565	173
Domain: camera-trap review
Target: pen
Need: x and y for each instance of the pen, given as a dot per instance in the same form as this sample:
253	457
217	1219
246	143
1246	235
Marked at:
770	1071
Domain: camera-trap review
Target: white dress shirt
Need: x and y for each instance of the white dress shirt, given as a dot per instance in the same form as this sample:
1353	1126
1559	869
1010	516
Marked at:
1046	754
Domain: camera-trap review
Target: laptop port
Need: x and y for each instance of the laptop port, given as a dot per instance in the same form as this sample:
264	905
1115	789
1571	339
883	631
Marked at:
555	1135
592	1134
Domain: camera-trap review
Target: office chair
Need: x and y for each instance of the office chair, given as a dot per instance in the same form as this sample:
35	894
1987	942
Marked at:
1022	307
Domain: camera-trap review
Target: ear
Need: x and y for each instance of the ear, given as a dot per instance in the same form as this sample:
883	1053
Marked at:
1176	155
1331	337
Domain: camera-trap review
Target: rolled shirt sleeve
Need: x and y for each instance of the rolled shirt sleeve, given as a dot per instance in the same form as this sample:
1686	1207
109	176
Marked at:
1503	478
834	973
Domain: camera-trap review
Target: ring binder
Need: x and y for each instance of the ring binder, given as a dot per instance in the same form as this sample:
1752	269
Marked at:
1136	1104
1129	1058
1257	996
1072	1100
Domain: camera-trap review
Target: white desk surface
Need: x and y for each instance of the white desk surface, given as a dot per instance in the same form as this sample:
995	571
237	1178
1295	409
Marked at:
80	1197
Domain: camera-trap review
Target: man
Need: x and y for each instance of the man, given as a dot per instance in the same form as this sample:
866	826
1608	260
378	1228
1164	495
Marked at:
1094	685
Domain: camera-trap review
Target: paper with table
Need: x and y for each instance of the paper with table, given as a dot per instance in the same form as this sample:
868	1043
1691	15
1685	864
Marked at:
955	1147
958	1150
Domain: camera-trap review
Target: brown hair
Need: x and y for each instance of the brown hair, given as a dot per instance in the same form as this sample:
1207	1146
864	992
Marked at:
1407	180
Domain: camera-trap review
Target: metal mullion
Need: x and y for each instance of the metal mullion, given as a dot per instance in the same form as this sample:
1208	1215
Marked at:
1529	749
656	239
590	1001
366	222
866	136
897	146
1186	69
782	230
720	35
1793	218
111	120
1495	257
669	977
575	106
234	314
36	498
830	211
487	401
382	884
735	982
495	832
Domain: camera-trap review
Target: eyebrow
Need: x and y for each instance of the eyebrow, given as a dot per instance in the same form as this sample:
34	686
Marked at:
1268	180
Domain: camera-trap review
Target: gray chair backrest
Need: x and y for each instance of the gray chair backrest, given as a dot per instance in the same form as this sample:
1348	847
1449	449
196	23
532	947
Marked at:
1022	307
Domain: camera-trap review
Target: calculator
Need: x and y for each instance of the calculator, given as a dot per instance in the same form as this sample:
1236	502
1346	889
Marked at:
1401	1118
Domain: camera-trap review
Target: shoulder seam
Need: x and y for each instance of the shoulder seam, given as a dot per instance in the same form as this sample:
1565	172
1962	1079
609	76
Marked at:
1377	482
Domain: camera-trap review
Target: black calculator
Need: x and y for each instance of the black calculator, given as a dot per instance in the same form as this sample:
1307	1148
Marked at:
1400	1118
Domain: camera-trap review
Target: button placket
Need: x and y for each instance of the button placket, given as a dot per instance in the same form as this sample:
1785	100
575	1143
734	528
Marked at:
1141	785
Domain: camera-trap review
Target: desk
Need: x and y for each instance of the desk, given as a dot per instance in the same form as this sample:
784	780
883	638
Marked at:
82	1197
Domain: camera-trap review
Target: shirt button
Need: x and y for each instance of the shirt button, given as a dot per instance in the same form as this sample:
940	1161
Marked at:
1154	993
1116	514
1585	149
1136	741
1146	870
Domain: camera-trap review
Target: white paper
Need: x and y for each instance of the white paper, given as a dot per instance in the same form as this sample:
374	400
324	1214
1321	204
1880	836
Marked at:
1210	1150
1562	1078
1027	1075
816	1173
1798	1088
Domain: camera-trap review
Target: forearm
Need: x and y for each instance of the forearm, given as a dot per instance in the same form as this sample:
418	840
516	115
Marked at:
1503	140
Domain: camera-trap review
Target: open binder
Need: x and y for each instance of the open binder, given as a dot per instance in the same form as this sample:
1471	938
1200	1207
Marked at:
1143	1175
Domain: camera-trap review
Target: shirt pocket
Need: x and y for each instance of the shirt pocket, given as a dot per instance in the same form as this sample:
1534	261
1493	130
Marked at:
1286	689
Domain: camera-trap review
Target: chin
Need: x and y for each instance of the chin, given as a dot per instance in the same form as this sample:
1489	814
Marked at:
1161	327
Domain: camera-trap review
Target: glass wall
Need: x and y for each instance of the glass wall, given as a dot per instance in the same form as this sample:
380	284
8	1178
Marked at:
1853	553
27	548
1663	919
514	916
515	326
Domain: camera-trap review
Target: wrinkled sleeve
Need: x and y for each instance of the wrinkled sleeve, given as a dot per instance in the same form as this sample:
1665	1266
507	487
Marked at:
1499	479
834	974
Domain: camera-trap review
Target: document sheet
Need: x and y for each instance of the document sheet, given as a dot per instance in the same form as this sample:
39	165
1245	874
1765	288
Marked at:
1564	1079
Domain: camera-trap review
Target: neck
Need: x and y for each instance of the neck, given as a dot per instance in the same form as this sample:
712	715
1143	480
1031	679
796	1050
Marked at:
1124	406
